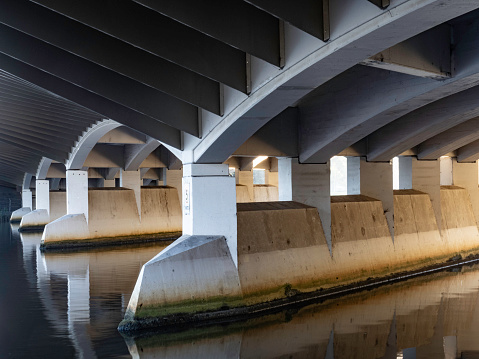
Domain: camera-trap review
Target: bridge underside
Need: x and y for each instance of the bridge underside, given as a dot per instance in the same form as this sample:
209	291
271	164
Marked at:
126	119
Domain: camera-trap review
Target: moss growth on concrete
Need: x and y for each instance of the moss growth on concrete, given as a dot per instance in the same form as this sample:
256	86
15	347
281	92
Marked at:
189	306
107	241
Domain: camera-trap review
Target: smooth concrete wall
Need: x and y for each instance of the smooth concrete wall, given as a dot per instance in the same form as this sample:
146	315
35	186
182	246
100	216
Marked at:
174	178
113	212
465	175
58	204
265	193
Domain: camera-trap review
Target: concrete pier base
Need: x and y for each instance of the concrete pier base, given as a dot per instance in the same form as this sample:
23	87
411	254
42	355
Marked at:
19	213
114	219
283	255
39	218
197	274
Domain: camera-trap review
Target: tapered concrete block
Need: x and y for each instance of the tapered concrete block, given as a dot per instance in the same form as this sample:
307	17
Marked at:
35	219
70	226
193	274
19	213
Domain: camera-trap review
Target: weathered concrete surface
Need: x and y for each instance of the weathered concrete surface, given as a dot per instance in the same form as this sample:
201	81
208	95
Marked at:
195	273
282	251
113	212
281	245
242	194
265	193
362	244
362	326
459	225
41	217
19	213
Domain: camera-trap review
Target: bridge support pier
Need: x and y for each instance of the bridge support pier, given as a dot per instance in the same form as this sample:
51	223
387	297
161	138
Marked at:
466	175
132	180
308	184
27	199
377	182
41	215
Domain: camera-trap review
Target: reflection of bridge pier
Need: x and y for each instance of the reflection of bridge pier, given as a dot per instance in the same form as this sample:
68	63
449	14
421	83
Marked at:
73	286
412	318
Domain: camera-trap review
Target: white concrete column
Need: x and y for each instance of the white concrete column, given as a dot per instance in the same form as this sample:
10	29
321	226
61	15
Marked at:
209	203
77	192
109	183
446	171
132	180
27	199
308	184
354	175
164	176
466	175
42	193
426	178
405	172
377	182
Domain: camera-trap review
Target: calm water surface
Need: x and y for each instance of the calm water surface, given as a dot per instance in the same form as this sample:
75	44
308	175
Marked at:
68	305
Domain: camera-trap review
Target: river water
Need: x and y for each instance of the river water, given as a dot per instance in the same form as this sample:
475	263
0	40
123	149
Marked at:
68	305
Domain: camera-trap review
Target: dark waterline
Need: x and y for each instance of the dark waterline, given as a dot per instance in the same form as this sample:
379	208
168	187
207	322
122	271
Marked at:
67	305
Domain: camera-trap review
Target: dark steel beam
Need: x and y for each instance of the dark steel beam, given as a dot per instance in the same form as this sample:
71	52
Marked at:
111	53
382	4
33	128
311	16
236	23
96	103
160	35
34	148
97	79
47	141
49	101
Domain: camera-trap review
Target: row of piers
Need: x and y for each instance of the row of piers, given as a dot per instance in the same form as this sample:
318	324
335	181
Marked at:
235	254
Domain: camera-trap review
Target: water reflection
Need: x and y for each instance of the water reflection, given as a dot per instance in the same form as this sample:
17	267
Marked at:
83	295
427	317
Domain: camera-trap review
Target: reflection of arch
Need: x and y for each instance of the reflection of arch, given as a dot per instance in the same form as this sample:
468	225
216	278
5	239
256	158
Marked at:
88	141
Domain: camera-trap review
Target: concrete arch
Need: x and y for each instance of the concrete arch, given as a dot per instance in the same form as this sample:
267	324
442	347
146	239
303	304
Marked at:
87	142
27	180
422	124
449	141
43	167
136	154
351	41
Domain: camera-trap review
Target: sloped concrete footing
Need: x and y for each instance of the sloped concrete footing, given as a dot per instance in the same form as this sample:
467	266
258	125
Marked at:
114	219
19	213
194	274
283	256
36	219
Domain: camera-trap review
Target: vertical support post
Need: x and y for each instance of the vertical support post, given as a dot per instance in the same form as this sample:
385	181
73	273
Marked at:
377	182
209	203
354	175
308	184
43	194
27	199
426	178
446	171
132	180
164	175
466	175
77	192
405	172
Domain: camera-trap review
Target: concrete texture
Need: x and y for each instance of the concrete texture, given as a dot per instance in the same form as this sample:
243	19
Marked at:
242	194
192	274
281	246
41	217
114	213
282	251
19	213
265	193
